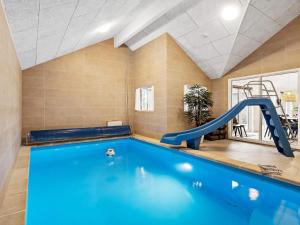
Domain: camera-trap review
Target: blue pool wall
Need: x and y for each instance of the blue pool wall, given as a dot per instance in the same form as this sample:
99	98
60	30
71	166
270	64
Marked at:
160	154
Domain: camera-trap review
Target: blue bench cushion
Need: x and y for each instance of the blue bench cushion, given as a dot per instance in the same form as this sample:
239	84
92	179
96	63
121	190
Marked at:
38	136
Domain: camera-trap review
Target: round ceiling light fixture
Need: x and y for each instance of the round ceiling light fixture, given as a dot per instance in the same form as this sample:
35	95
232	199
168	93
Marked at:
103	28
230	12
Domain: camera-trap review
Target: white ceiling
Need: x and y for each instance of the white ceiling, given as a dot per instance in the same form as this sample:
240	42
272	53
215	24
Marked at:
45	29
217	45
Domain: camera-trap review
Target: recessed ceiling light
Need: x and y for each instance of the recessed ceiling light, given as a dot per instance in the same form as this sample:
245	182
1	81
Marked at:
230	12
103	28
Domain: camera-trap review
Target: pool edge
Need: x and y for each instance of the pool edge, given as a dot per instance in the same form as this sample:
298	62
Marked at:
249	167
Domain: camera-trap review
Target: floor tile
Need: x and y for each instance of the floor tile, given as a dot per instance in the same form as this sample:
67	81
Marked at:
14	219
13	203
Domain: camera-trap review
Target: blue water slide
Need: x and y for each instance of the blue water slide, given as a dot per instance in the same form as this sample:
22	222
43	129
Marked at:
193	136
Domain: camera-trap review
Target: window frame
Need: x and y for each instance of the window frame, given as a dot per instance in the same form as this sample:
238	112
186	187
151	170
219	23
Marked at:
186	88
138	107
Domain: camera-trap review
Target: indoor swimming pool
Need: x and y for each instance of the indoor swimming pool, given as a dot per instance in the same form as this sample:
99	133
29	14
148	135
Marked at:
143	183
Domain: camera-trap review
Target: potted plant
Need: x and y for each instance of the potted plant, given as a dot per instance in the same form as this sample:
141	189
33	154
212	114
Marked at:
199	102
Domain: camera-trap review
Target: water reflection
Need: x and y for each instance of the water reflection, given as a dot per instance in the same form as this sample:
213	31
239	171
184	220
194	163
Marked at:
141	172
234	184
184	167
197	184
253	194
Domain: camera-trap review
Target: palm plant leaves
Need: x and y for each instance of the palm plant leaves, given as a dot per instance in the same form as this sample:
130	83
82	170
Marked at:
199	101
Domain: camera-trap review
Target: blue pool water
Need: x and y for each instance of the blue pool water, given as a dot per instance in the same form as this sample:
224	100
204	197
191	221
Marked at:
144	184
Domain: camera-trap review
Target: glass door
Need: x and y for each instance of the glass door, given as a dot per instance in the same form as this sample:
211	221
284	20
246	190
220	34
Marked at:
286	86
249	124
244	125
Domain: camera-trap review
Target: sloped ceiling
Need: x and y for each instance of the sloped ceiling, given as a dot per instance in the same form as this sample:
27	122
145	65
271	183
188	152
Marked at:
45	29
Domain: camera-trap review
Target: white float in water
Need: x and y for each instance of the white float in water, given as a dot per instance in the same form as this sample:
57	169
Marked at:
110	152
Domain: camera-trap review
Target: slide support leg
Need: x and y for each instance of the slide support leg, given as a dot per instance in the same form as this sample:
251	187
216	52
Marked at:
194	143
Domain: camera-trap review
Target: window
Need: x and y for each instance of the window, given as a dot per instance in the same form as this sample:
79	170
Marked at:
144	98
186	89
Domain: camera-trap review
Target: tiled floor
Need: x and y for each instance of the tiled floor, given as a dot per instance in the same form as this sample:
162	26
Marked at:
239	154
12	211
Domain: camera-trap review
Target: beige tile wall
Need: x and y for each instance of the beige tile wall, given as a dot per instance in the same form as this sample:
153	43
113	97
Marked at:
89	87
281	52
163	64
10	102
82	89
181	70
149	67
